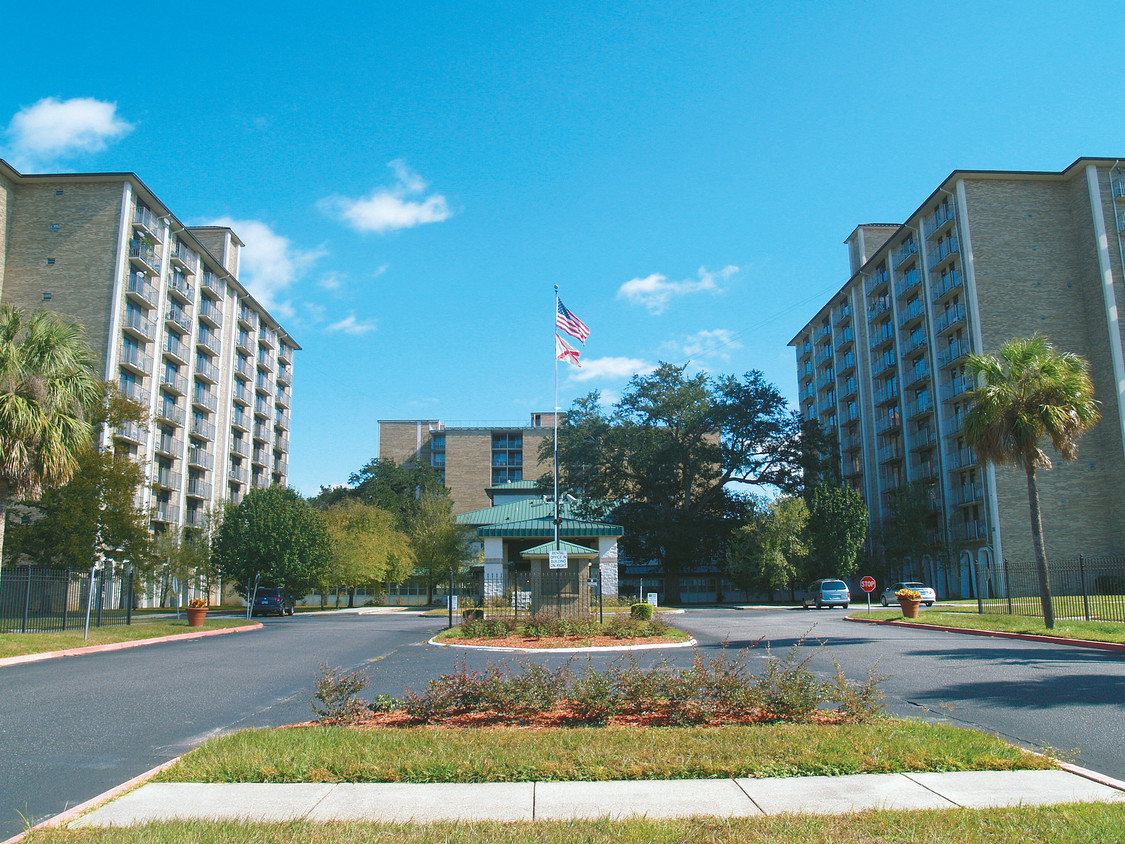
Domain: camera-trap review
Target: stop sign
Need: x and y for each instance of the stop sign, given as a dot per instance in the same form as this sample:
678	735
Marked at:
867	584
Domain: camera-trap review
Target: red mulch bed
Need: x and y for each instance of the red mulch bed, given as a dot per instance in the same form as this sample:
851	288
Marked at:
547	642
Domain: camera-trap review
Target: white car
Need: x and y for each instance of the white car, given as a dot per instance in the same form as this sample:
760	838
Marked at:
928	596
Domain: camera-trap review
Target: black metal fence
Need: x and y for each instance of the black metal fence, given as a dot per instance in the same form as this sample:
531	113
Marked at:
1085	588
568	594
37	599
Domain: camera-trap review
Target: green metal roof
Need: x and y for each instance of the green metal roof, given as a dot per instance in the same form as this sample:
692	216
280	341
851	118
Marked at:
516	511
514	486
546	527
571	549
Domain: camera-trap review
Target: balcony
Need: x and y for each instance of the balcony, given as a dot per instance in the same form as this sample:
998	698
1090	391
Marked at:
808	392
196	517
914	311
886	393
144	257
139	325
916	374
934	222
198	488
170	413
169	446
908	282
942	251
209	340
913	343
951	281
967	495
874	282
203	429
206	371
919	405
285	352
261	406
264	384
877	307
184	257
880	335
891	451
139	287
166	512
134	392
949	318
844	363
282	398
882	364
961	458
267	361
888	422
281	442
844	338
131	432
178	317
240	447
922	439
243	367
261	457
282	420
239	475
904	251
240	419
261	431
247	317
953	424
958	387
241	394
826	404
849	414
953	353
281	466
174	349
245	342
974	531
211	282
204	398
132	357
200	458
181	287
209	311
806	350
268	337
168	479
144	218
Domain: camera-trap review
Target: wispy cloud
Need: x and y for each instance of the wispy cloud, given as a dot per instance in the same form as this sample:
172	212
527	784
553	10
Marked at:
610	368
350	325
51	130
403	205
269	263
713	344
655	291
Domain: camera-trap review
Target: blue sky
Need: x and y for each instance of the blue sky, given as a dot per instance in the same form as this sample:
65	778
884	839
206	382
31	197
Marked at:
412	179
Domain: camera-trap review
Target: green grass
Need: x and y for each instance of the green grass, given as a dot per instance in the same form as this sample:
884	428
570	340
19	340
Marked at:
1064	824
967	618
340	754
19	644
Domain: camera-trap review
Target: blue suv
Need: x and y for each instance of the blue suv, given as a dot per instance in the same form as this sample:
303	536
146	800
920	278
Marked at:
829	592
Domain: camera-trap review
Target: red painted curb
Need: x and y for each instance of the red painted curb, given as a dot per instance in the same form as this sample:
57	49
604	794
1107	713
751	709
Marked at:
118	646
70	814
999	634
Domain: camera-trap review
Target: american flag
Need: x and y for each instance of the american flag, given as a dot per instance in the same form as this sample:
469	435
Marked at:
563	351
571	324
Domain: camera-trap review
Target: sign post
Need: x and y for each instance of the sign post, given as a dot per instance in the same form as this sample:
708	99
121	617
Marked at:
868	586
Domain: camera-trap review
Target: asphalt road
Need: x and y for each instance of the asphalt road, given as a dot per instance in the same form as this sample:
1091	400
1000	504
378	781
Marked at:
73	728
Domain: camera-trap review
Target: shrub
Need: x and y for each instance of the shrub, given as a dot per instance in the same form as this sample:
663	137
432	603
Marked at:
469	616
336	690
531	690
488	628
594	698
448	694
787	690
643	611
858	701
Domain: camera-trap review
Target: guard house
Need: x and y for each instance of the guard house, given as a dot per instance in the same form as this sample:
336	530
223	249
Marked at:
517	534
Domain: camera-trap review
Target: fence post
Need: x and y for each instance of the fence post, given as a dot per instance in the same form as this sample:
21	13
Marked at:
129	598
449	599
1085	593
27	600
89	603
1008	586
66	601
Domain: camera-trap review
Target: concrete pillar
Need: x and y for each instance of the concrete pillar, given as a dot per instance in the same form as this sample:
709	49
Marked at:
607	563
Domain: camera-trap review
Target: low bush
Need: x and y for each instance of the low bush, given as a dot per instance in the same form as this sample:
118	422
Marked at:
337	692
643	611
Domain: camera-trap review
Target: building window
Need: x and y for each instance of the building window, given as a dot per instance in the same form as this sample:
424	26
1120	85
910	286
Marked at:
507	457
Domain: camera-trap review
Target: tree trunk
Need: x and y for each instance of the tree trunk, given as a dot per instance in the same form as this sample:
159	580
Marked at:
1040	551
3	518
351	597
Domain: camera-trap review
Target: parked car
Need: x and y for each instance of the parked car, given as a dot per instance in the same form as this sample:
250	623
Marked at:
271	599
826	593
928	596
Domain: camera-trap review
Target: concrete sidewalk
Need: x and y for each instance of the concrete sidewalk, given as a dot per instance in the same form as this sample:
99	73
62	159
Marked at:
402	802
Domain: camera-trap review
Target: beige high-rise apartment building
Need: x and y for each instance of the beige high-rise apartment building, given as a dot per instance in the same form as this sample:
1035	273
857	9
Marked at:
162	305
470	458
987	257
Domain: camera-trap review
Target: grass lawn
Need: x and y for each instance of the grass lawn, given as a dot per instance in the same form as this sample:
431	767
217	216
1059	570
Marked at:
18	644
342	754
1065	824
1097	631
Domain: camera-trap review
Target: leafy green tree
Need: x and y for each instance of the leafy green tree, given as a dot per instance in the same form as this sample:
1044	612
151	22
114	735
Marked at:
912	532
1030	394
837	528
276	534
47	391
440	544
667	453
367	548
768	553
398	489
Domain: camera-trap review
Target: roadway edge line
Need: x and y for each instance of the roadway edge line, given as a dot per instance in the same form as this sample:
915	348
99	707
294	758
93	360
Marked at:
998	634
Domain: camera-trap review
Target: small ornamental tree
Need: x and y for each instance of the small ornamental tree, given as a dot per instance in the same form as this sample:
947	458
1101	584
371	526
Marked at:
366	548
276	534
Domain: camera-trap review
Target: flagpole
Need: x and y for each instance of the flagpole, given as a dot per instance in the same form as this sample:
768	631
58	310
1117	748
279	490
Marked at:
556	415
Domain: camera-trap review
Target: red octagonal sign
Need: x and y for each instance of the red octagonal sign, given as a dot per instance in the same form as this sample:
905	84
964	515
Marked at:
867	584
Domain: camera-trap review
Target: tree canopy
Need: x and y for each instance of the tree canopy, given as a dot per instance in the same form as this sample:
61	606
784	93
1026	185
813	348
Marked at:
367	547
837	528
769	552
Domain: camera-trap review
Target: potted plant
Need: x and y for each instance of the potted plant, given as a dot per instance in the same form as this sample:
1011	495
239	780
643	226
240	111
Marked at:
910	601
196	612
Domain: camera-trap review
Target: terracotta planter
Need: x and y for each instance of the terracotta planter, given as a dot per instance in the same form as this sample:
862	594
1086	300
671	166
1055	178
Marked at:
196	616
910	607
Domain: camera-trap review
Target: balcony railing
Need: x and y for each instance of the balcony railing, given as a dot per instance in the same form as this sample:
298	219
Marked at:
202	429
949	317
179	284
881	335
144	255
185	257
270	362
139	286
175	348
245	342
171	413
166	512
240	447
882	363
144	217
886	393
961	458
915	310
210	281
967	495
942	251
209	340
135	358
916	374
205	398
168	480
282	397
844	338
268	336
874	282
913	344
826	404
198	488
951	281
169	445
209	311
904	251
958	387
132	432
282	420
942	215
248	316
134	392
954	352
261	406
261	457
281	442
919	405
285	353
240	419
877	307
206	370
888	422
201	458
808	392
823	355
142	325
239	475
844	362
908	282
241	394
264	383
177	316
262	430
923	438
975	531
281	466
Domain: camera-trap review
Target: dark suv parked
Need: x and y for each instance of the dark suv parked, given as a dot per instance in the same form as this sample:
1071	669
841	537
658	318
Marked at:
271	599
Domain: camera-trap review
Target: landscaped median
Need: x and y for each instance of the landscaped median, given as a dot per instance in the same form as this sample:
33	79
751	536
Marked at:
1077	631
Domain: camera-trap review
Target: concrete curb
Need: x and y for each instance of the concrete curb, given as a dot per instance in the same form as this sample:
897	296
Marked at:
119	646
82	808
999	634
690	643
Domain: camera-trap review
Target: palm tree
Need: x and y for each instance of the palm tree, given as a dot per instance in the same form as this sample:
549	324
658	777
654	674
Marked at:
47	389
1029	393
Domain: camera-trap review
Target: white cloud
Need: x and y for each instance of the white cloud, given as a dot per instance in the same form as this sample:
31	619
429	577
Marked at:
349	325
610	368
655	291
331	281
269	263
39	135
400	206
715	344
